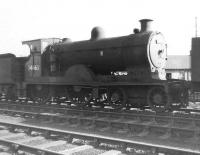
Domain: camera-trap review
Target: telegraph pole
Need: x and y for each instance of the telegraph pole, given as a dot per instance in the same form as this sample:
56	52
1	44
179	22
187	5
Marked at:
196	27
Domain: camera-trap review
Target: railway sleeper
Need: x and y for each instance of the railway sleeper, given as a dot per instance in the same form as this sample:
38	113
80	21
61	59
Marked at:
159	132
184	135
99	125
17	149
162	133
107	127
196	123
166	135
183	123
86	124
119	128
148	131
152	121
186	138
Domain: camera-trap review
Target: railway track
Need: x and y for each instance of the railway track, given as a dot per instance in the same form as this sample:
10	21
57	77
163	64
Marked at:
20	139
59	107
169	130
17	137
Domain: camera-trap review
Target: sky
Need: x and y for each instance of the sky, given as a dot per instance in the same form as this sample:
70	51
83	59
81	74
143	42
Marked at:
22	20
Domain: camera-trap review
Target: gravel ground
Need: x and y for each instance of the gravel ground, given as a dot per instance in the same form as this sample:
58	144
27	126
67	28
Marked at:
195	105
36	142
17	138
11	119
92	151
61	147
3	132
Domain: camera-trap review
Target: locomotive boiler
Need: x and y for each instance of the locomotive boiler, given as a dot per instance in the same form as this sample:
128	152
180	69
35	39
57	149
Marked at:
121	72
141	53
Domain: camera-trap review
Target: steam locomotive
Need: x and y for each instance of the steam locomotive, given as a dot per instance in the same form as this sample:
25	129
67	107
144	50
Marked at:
120	72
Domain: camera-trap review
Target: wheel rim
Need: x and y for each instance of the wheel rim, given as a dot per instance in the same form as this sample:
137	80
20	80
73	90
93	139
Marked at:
40	96
117	98
79	99
158	99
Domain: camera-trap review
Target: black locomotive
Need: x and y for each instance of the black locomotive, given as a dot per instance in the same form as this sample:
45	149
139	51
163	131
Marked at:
120	72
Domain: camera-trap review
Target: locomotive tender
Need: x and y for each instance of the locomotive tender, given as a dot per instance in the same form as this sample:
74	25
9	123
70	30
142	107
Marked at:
120	72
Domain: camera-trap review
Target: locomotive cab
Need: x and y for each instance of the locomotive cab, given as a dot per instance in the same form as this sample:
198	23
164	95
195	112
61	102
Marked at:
33	65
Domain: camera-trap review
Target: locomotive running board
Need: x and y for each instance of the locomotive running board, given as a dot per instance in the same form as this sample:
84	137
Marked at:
64	81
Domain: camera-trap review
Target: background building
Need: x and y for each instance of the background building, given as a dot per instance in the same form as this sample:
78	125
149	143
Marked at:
179	67
186	67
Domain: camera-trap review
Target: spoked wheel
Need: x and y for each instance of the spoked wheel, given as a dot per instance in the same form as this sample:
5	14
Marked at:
117	98
103	100
39	94
83	101
79	99
158	99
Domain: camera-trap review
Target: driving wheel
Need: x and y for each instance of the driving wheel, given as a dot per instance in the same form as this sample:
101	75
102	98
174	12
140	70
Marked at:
158	99
117	98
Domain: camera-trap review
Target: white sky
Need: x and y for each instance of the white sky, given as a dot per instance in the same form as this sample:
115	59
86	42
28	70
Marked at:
32	19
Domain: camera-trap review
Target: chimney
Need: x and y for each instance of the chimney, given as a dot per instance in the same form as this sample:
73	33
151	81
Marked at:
145	25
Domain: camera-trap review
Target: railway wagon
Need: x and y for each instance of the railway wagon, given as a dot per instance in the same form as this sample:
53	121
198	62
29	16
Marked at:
121	72
11	75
